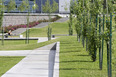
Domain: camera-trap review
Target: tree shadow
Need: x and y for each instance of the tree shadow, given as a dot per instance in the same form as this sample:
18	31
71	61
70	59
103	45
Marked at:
72	47
81	55
87	69
75	61
71	51
77	69
68	69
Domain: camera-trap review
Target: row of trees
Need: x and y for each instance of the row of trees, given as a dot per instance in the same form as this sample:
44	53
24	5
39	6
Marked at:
94	24
24	6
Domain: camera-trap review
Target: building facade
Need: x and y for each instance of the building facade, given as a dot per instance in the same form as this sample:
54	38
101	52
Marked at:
62	4
18	2
42	2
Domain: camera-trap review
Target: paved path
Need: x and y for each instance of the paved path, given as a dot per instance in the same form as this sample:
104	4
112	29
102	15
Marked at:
62	19
40	62
20	38
18	31
43	39
41	25
15	53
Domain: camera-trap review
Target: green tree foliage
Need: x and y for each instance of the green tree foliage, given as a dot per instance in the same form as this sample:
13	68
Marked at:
35	6
24	6
47	7
11	5
54	6
96	7
50	8
1	13
78	27
87	20
66	6
49	32
71	6
2	9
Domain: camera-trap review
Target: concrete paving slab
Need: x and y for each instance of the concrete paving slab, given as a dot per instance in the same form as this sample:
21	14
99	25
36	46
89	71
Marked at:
18	31
41	25
43	39
38	63
64	19
17	38
15	53
47	47
26	69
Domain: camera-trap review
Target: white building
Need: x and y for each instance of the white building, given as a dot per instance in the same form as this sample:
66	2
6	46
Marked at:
64	6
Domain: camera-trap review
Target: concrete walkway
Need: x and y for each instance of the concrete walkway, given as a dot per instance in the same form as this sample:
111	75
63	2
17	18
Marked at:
41	25
40	62
21	30
18	31
43	39
64	19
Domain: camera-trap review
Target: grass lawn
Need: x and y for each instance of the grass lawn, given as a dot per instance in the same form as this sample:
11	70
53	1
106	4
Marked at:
8	62
74	59
57	28
20	44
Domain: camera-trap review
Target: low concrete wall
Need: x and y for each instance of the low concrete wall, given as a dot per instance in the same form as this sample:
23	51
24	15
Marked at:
56	61
21	18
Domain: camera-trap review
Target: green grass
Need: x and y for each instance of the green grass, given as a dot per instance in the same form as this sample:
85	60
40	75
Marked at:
20	44
57	28
8	62
75	61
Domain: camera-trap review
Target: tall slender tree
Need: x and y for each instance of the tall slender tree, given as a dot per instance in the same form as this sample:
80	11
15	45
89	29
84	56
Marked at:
2	9
35	6
50	8
11	5
24	6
